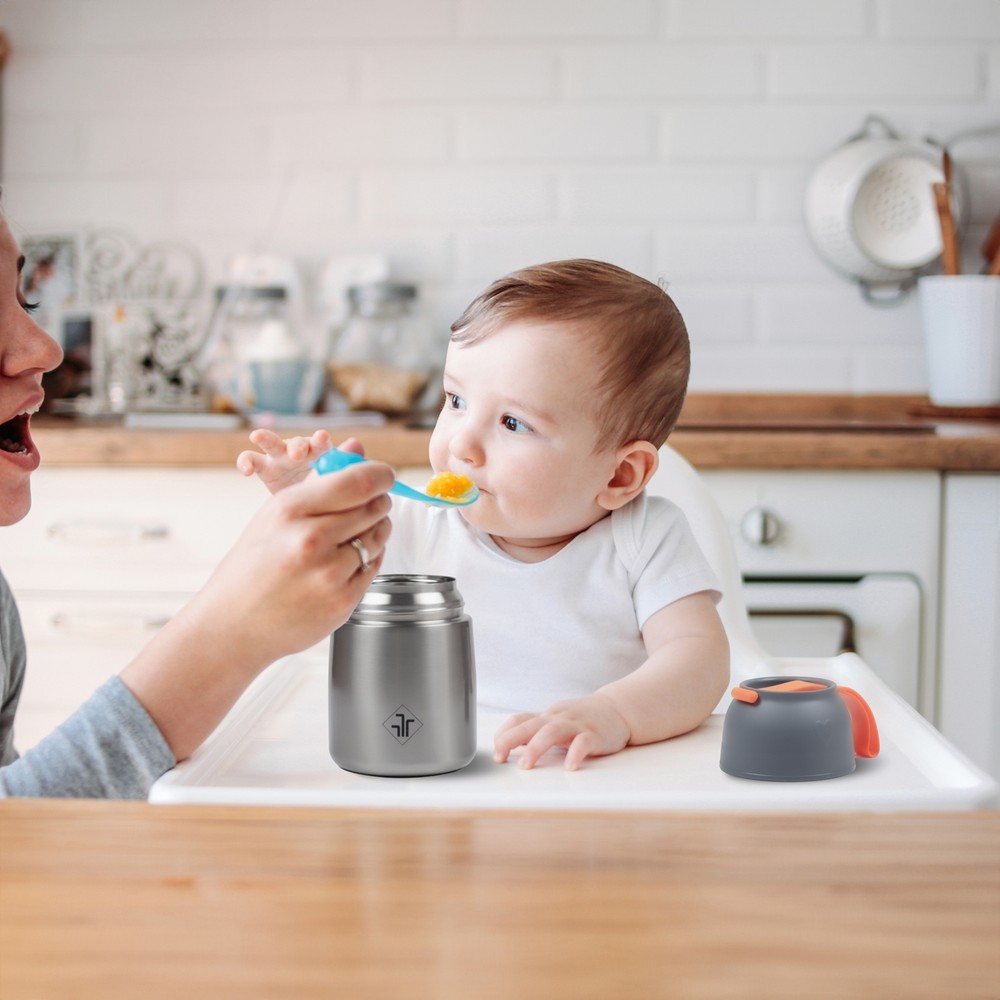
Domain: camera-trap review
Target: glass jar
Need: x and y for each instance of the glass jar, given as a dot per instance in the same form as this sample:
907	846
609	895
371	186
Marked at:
385	358
258	360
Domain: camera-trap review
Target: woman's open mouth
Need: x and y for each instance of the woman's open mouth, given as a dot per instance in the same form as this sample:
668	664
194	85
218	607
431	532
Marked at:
15	438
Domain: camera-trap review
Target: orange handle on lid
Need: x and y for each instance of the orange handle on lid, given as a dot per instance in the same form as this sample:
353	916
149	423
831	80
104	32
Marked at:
866	742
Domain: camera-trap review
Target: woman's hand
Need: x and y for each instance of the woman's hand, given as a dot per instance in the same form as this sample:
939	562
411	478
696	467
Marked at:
294	576
290	580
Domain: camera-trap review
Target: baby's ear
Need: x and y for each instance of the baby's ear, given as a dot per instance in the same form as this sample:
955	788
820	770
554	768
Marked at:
635	464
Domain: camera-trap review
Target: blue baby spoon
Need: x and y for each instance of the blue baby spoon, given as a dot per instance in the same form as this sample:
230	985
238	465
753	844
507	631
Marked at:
335	459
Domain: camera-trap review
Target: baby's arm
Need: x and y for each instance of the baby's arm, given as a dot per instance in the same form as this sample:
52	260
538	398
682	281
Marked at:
674	691
281	463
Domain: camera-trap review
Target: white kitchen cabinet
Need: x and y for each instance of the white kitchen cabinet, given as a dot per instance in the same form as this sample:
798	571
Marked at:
970	618
830	522
125	529
855	552
76	642
103	559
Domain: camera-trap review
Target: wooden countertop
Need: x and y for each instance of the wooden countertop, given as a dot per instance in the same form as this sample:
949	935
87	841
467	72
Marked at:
763	431
111	899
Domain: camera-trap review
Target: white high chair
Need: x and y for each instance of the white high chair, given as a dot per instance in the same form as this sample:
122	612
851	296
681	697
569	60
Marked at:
679	482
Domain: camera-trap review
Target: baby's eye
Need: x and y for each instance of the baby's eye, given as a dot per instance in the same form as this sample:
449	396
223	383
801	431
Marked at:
514	425
453	401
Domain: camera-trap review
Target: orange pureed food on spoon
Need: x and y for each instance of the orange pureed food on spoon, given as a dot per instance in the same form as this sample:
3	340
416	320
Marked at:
448	486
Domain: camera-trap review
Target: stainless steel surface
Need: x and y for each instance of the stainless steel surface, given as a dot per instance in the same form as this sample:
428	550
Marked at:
402	680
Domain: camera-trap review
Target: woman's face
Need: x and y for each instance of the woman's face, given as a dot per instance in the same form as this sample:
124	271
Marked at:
26	353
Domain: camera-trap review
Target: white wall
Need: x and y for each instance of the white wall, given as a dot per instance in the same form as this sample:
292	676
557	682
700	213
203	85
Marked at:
467	137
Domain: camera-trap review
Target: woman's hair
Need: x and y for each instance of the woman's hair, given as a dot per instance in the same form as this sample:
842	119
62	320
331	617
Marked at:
636	331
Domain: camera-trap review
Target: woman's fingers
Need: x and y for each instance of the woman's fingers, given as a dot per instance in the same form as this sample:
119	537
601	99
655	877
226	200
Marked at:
338	492
365	557
341	527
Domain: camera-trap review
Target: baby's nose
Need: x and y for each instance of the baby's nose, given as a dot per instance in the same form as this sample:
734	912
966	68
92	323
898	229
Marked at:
466	446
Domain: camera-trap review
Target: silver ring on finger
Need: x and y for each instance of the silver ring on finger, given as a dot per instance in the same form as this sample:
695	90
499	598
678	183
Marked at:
364	556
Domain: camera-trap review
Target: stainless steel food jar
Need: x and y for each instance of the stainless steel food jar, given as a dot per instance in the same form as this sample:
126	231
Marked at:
403	680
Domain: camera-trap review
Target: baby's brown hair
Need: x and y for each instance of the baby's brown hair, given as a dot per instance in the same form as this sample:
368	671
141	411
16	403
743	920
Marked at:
637	332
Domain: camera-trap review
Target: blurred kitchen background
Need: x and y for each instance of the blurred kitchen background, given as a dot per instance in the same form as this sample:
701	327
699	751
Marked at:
441	143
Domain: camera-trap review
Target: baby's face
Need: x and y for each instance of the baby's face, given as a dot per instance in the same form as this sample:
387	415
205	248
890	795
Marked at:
518	421
26	353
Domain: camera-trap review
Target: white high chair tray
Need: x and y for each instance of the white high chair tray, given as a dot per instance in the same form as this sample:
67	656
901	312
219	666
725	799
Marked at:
273	749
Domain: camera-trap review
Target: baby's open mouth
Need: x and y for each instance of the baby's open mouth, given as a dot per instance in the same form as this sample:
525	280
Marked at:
14	435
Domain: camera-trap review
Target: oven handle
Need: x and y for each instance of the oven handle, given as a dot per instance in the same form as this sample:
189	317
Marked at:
847	643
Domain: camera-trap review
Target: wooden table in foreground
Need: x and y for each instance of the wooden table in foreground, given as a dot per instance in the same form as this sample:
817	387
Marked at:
101	900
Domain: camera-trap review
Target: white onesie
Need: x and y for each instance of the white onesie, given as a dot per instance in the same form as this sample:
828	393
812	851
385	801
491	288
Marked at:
563	627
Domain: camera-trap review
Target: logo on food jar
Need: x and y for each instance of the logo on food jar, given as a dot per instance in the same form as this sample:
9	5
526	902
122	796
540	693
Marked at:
402	724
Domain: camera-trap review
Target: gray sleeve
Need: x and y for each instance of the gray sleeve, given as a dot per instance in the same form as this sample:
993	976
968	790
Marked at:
12	659
108	748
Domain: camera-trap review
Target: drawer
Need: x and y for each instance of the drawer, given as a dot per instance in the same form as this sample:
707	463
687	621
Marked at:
831	523
74	645
127	529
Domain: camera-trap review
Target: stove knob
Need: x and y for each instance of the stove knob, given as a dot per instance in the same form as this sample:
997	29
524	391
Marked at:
760	526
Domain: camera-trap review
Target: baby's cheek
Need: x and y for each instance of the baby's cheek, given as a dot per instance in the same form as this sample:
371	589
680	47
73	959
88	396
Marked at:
478	515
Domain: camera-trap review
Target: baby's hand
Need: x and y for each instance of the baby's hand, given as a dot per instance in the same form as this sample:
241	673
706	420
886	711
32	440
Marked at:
587	727
284	463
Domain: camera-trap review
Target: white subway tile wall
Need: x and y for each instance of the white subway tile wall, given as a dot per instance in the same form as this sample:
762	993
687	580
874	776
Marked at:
463	138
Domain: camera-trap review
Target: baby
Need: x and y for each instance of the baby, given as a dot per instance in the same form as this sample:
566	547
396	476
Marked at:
593	608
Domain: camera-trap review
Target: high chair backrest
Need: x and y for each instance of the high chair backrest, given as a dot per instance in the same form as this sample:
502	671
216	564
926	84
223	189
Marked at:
678	481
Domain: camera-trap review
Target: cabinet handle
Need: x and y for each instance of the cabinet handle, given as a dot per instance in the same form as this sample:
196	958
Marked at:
760	526
848	642
97	532
105	623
